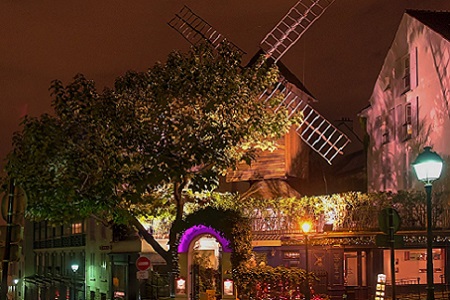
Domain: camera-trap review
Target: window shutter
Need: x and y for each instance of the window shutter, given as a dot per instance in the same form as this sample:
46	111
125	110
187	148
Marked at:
399	122
415	117
413	68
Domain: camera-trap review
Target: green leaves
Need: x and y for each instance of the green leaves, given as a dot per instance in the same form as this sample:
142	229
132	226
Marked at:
265	282
181	123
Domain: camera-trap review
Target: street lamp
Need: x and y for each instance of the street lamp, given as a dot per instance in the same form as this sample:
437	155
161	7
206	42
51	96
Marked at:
428	168
306	228
74	268
15	282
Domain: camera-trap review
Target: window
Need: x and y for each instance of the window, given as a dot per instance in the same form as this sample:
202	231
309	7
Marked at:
36	232
54	262
44	263
92	267
406	74
57	263
408	129
414	71
43	231
411	266
103	274
58	231
77	228
50	231
399	120
355	268
63	264
37	264
291	255
67	230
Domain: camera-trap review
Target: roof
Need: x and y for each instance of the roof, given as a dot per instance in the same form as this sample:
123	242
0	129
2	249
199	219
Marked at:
285	72
438	21
351	163
270	189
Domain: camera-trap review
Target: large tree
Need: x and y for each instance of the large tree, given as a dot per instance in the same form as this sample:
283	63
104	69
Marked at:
125	152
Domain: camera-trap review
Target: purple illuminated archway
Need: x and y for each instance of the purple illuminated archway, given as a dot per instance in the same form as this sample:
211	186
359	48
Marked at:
193	232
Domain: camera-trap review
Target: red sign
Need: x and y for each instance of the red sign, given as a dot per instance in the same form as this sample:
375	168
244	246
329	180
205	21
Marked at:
143	263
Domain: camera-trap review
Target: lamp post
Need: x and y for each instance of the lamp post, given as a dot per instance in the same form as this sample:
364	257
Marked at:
428	168
74	268
15	283
306	228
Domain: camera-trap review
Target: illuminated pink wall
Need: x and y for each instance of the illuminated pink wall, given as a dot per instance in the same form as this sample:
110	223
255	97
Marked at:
396	140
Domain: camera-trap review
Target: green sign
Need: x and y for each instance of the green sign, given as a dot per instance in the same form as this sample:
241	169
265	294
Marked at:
383	241
387	218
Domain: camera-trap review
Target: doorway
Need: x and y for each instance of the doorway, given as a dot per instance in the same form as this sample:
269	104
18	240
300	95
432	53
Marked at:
205	258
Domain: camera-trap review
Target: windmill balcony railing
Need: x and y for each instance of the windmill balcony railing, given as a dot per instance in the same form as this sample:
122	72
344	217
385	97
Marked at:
359	220
274	224
358	215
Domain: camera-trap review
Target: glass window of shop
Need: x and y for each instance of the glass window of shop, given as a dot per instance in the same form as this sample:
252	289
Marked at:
411	266
355	271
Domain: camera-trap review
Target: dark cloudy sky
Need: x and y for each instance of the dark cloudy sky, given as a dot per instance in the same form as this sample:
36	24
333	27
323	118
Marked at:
338	58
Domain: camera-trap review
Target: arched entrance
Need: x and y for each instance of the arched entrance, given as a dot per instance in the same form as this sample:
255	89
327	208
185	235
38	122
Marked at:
204	259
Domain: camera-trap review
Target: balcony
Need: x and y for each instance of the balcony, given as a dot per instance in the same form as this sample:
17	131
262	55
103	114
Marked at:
76	240
356	217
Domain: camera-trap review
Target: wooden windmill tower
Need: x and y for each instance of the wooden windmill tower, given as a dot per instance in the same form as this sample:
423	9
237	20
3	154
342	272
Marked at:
314	130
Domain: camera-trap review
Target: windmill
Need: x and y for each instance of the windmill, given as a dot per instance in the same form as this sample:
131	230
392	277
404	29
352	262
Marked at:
316	131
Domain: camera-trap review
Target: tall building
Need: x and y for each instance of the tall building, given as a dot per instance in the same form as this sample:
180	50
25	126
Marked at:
409	105
67	261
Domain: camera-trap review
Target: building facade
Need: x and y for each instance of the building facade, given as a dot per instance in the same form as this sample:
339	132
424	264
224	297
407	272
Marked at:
67	261
409	110
409	105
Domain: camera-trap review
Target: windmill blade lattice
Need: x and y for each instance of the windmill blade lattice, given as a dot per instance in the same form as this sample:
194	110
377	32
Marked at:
289	30
195	29
316	131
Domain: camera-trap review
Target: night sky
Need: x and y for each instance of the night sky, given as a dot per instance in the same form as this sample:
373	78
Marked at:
338	58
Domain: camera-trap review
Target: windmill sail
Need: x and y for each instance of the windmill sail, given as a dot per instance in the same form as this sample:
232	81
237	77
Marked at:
289	30
316	131
195	30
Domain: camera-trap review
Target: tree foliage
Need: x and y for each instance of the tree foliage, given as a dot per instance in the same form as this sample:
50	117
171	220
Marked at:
231	224
134	149
265	282
346	211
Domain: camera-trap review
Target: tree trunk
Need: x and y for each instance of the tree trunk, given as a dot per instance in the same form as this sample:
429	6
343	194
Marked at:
150	239
170	256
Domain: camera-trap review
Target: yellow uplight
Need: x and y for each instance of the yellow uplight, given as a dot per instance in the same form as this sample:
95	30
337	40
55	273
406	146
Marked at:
306	227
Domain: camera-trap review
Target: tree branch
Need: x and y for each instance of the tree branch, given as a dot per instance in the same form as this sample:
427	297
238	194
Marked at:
150	239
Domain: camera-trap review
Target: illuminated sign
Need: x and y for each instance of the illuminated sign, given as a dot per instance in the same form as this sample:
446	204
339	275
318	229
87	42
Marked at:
381	287
181	286
228	287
